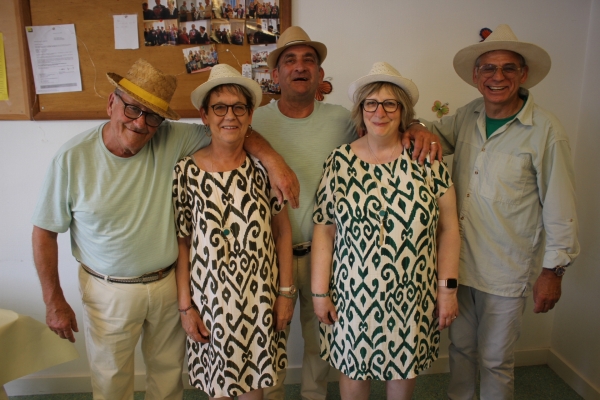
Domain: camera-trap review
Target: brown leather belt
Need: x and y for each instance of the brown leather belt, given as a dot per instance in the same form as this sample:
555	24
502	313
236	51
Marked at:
146	278
301	249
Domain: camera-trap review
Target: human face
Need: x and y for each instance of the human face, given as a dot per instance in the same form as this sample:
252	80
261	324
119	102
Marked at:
230	128
381	123
498	90
124	136
298	72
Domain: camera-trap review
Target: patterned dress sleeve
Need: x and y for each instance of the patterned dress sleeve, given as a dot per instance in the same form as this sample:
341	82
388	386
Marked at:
182	198
261	179
438	177
324	210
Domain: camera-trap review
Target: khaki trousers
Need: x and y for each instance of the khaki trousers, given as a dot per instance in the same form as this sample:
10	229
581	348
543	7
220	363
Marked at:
314	369
484	336
116	315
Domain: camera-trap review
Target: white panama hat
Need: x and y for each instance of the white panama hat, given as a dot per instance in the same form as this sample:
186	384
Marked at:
384	72
503	38
224	74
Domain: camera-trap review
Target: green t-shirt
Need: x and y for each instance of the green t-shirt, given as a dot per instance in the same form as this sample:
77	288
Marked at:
119	210
305	144
492	125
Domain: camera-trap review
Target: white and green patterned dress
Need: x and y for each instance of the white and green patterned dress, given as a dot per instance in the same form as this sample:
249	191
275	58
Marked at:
234	275
384	279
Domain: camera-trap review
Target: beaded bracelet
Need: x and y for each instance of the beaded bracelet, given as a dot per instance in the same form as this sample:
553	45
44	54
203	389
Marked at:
184	310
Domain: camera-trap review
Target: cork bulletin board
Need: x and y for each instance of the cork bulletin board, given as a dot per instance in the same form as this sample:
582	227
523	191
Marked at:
93	22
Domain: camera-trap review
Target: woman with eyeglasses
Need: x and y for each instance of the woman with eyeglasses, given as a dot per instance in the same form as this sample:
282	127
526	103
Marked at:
385	239
235	249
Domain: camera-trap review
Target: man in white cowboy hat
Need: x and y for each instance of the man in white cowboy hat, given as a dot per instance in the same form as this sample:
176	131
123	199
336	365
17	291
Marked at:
111	186
305	132
515	192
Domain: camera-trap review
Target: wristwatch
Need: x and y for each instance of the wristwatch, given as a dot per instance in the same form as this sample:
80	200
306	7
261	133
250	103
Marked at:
559	271
449	283
290	289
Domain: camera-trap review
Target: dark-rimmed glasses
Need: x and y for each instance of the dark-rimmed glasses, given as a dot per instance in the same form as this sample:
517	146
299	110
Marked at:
221	110
134	112
508	70
389	106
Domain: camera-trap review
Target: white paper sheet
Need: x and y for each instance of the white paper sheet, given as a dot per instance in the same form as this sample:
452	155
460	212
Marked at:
126	32
54	58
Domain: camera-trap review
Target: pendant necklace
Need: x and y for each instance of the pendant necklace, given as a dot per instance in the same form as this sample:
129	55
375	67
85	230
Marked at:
382	213
226	231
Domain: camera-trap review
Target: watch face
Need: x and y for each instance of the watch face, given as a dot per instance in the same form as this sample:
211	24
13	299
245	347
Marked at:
293	290
452	283
559	271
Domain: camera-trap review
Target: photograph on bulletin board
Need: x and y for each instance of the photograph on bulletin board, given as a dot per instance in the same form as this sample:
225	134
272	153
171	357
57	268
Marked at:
161	33
262	31
260	70
200	58
227	31
194	10
262	9
195	32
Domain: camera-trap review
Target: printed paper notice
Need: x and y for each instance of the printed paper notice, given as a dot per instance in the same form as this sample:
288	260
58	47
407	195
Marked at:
3	85
54	58
126	32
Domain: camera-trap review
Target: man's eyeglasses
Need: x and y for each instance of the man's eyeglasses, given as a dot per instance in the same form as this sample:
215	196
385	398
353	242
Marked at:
134	112
508	70
221	110
389	106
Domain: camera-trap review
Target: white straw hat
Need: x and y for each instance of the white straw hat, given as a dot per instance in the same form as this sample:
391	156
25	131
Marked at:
223	74
503	38
384	72
295	36
149	86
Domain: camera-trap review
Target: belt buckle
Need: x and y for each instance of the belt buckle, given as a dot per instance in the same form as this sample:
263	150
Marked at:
301	249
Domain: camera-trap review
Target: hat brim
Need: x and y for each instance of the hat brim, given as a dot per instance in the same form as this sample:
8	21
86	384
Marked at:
536	58
319	47
405	84
200	92
114	79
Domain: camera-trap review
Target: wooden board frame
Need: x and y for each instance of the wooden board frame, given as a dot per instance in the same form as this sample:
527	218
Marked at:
94	28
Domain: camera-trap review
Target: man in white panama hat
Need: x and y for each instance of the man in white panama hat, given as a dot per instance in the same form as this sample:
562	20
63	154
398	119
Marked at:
111	187
515	191
305	132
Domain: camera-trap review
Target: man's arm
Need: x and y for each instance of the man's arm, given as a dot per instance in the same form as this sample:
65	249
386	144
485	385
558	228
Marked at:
283	180
60	317
425	142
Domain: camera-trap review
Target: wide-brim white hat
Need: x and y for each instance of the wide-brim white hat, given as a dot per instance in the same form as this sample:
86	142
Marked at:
384	72
503	38
224	74
295	36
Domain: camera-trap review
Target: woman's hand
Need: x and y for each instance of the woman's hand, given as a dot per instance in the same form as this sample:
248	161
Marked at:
447	307
283	312
194	327
325	310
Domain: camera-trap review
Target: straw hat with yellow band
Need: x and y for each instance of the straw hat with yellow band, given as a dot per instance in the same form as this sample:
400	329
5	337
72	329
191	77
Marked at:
149	86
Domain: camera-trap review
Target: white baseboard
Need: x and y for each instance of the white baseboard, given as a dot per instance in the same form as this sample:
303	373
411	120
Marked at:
41	384
573	378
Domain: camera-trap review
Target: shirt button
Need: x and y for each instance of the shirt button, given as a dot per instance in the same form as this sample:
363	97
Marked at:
468	195
461	218
476	172
483	149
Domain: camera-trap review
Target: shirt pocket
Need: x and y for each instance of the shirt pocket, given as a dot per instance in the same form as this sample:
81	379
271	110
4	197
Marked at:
503	177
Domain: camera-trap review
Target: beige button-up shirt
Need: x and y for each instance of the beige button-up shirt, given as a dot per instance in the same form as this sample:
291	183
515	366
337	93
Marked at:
515	196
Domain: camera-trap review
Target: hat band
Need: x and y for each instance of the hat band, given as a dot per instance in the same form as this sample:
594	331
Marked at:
295	42
149	97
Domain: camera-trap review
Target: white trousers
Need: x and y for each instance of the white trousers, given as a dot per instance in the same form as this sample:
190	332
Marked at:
116	315
484	336
314	368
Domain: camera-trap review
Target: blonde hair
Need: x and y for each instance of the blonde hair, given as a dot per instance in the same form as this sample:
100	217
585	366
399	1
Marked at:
407	113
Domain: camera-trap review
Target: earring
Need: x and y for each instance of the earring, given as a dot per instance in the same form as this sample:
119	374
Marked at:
249	131
206	131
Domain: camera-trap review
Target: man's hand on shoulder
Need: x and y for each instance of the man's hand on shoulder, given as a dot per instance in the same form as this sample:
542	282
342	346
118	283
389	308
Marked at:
285	183
546	291
425	142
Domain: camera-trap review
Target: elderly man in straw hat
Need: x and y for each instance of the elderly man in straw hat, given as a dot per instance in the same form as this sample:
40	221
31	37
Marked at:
516	199
305	132
111	186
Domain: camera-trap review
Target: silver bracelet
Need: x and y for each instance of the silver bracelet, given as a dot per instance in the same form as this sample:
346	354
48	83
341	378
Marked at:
416	122
320	294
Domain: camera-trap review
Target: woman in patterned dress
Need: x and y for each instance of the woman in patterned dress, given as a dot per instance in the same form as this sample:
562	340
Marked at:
385	231
235	249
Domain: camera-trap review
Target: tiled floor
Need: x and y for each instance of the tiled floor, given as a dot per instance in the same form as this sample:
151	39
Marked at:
531	383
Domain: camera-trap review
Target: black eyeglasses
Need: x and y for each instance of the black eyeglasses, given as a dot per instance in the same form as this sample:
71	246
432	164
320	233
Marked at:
221	110
134	112
389	106
508	70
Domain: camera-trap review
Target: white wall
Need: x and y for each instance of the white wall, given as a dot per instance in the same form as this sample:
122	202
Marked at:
575	343
420	38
